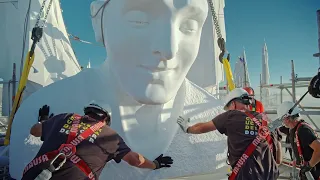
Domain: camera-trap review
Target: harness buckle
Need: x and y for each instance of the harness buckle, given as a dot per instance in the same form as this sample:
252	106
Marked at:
51	166
68	150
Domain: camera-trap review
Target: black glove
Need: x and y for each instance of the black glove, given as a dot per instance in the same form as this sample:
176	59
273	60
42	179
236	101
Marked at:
306	167
163	161
44	113
302	176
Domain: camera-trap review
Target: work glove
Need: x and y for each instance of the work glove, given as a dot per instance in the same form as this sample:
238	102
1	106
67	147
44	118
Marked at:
44	113
306	167
183	123
302	176
163	161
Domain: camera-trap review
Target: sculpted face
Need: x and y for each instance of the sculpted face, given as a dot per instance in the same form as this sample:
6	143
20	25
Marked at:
151	44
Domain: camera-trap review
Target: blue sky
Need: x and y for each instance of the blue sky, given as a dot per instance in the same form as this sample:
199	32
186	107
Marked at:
288	26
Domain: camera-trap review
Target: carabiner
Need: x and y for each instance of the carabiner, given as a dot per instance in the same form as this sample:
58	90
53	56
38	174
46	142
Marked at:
51	166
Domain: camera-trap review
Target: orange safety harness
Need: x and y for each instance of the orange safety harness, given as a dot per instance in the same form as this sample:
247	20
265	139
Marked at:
263	134
68	150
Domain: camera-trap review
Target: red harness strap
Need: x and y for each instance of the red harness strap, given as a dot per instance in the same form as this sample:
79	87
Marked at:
298	142
265	126
263	134
69	149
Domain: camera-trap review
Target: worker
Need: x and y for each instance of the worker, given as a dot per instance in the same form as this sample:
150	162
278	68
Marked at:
303	139
86	142
245	133
256	104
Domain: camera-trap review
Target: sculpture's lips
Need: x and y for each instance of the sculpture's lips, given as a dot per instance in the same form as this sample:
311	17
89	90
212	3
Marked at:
157	69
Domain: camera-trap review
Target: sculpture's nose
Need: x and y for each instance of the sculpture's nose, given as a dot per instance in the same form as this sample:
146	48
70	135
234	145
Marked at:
164	42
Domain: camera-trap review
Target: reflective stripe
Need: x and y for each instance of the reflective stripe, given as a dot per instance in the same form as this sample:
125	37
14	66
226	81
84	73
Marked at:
298	142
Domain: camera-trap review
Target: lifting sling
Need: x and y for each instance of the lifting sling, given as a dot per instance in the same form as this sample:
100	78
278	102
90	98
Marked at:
67	151
37	32
263	134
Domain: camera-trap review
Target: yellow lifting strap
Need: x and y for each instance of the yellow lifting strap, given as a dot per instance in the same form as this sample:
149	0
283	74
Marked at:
221	44
227	70
18	97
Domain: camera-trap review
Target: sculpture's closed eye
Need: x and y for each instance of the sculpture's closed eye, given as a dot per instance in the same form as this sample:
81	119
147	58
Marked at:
137	18
189	26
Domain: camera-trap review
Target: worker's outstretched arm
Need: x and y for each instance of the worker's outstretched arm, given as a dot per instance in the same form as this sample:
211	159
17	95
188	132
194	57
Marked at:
36	130
315	159
279	152
198	128
123	152
217	123
137	160
42	129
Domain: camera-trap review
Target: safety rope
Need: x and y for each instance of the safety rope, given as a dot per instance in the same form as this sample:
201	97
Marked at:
36	35
76	38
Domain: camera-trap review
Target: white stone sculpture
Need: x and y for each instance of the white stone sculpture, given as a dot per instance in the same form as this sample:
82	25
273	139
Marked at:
151	46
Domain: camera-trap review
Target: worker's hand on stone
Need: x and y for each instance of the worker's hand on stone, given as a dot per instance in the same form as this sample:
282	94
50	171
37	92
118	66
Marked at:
305	168
183	123
44	113
163	161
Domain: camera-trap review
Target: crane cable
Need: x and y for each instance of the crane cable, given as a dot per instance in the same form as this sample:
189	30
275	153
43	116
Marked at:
222	46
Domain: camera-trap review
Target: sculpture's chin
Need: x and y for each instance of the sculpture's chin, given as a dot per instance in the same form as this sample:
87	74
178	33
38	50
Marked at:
154	94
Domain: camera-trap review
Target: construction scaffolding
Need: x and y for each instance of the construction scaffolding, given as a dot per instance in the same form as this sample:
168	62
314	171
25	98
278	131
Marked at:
10	88
296	82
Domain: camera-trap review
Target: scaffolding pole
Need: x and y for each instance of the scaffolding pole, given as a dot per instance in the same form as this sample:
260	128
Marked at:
281	99
306	79
14	80
260	87
293	76
318	20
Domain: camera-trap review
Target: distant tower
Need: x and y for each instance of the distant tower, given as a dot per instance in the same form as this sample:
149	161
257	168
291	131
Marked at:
265	72
246	81
89	64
